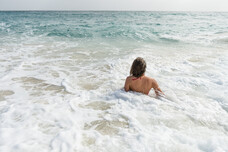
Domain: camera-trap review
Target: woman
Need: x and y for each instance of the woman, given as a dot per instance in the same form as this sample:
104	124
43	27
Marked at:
137	81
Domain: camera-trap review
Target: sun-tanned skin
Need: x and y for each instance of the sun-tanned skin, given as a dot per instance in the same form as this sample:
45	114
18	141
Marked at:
142	84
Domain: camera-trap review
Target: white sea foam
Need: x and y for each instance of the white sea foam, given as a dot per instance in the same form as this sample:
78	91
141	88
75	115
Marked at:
79	104
67	95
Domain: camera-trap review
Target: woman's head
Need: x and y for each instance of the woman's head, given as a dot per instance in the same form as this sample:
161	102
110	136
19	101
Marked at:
138	67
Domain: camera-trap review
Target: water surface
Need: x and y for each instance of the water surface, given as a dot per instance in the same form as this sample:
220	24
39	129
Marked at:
62	77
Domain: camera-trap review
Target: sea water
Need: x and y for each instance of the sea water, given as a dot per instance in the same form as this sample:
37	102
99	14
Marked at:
62	76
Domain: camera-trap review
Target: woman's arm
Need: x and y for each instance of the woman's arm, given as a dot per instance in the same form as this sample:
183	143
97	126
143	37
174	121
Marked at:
127	85
156	88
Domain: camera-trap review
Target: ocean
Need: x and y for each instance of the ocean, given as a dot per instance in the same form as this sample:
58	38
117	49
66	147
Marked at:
62	75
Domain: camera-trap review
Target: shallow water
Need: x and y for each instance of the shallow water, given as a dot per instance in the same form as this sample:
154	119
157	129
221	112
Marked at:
62	77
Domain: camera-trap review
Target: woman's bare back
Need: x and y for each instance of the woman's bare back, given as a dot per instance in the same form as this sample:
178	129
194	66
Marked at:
142	84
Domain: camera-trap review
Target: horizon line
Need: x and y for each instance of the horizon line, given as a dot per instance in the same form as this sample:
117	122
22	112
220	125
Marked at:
108	11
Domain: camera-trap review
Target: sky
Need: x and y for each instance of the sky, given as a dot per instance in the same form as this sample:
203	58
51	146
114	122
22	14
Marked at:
140	5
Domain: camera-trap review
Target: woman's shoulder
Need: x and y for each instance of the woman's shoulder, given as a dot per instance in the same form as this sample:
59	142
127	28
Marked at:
129	77
150	79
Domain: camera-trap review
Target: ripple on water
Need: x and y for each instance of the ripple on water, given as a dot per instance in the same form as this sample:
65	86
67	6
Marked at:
37	87
107	127
98	105
5	93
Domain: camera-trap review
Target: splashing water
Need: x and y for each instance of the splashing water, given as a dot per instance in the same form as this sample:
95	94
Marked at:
62	77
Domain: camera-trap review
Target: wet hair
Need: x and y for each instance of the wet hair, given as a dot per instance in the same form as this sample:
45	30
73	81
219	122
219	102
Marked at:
138	67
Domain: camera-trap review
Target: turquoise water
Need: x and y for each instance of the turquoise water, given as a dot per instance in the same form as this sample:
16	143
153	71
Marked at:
147	27
62	77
